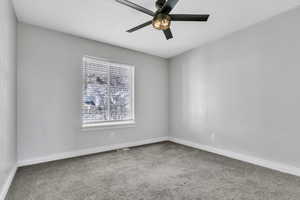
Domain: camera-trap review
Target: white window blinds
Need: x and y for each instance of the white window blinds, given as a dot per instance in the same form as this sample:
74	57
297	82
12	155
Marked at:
108	92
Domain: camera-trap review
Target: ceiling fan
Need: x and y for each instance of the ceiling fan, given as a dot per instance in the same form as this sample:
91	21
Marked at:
162	17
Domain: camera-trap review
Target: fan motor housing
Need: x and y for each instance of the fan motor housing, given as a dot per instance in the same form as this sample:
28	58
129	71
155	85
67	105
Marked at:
160	3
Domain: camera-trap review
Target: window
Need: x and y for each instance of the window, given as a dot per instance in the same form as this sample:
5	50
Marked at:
108	93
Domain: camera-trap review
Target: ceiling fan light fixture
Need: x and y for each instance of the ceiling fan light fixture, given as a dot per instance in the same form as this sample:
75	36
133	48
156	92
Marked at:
161	22
161	18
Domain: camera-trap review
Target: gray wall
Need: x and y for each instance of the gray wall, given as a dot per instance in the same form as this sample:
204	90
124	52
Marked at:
241	93
8	96
49	89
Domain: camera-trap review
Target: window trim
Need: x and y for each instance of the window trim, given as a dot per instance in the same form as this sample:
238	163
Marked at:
111	123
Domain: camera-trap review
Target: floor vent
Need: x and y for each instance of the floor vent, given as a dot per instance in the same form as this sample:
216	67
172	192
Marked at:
123	149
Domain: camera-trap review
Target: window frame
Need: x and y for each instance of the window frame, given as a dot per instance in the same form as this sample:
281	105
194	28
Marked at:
109	123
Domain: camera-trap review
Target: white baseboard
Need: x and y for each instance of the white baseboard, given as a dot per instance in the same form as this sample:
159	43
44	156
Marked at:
245	158
7	183
83	152
249	159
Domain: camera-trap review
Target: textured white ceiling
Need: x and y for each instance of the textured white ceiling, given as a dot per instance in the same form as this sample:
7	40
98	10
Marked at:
107	21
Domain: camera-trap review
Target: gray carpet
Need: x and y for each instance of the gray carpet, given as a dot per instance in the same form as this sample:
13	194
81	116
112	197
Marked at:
165	171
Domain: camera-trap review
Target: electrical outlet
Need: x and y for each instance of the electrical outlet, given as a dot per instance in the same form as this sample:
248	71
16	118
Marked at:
212	137
112	133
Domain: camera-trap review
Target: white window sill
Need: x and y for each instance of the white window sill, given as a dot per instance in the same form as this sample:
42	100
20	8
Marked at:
108	125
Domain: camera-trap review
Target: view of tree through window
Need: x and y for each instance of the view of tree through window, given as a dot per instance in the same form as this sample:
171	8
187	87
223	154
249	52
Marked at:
107	91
